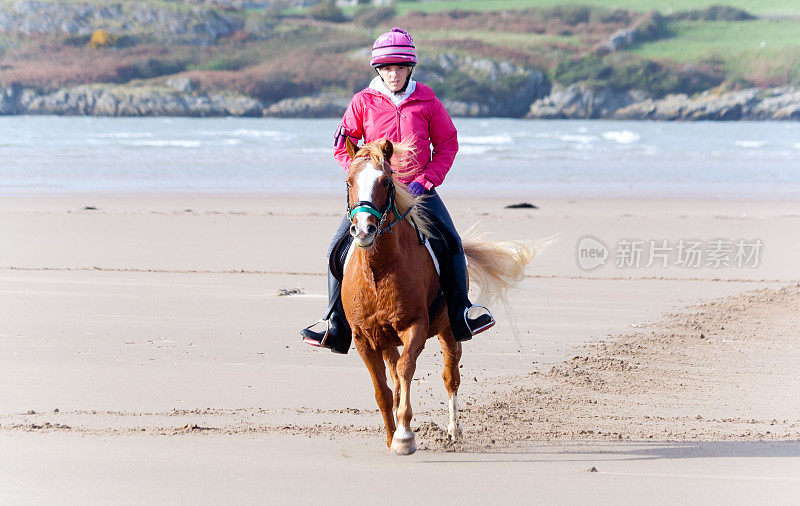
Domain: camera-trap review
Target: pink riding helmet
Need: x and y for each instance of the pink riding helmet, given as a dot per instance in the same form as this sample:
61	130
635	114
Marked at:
395	47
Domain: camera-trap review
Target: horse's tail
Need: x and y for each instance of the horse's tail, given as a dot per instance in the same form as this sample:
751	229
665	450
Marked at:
498	266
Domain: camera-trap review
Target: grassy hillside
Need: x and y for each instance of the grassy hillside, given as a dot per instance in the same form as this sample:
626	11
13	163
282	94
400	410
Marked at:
758	7
274	54
763	51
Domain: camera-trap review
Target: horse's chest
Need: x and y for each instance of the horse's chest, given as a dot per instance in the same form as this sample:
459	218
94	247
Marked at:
374	310
375	307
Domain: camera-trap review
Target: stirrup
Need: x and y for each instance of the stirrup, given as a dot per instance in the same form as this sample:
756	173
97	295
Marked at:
483	327
321	342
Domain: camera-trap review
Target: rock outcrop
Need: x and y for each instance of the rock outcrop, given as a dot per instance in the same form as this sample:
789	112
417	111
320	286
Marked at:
482	87
705	106
322	106
196	25
581	102
9	99
180	96
177	96
116	100
778	103
649	26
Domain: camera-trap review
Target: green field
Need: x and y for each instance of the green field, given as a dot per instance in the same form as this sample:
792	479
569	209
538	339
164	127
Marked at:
524	41
693	40
767	47
757	7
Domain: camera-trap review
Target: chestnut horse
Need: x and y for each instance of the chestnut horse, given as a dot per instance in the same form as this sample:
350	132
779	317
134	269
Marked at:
390	282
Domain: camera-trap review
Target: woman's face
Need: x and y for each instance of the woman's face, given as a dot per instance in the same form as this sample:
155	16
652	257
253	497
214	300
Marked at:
394	76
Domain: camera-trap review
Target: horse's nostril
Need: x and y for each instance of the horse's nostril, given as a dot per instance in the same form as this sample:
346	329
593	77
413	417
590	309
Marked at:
371	229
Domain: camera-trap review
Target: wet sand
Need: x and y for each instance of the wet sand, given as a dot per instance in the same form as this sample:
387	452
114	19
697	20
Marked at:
155	326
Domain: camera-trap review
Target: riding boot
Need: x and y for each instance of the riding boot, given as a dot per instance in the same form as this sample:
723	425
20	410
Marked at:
337	335
455	287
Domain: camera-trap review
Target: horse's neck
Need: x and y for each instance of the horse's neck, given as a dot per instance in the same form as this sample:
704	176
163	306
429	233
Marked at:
380	259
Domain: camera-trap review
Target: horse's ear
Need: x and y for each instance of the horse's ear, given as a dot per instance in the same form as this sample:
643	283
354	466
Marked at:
388	149
351	148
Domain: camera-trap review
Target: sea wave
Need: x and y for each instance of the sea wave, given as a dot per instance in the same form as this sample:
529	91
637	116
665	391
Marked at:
165	144
473	150
580	139
750	144
124	135
622	136
247	132
492	140
244	132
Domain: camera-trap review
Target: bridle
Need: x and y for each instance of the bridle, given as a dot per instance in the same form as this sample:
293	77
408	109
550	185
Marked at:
366	206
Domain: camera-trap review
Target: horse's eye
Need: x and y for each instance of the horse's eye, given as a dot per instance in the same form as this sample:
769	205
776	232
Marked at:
386	184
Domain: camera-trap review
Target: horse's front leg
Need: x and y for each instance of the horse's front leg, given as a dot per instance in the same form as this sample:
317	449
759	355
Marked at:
391	356
383	394
451	351
403	442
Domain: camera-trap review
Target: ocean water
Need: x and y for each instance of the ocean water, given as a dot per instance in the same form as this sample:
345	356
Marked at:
543	159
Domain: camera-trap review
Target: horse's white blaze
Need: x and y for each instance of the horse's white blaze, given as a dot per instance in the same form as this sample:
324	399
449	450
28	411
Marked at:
366	183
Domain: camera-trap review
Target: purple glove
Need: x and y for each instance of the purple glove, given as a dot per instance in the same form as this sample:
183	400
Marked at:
416	189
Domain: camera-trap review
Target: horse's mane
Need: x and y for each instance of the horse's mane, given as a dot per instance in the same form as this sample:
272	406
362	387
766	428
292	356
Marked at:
399	164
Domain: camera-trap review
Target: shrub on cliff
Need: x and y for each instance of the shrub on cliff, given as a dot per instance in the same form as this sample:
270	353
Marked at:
326	11
220	63
624	72
713	13
576	14
370	17
650	26
101	38
150	67
555	20
569	14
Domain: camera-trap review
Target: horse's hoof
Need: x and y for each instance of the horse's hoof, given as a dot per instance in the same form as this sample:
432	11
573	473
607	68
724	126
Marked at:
403	442
455	431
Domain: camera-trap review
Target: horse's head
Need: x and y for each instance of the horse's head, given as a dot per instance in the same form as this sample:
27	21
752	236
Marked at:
371	189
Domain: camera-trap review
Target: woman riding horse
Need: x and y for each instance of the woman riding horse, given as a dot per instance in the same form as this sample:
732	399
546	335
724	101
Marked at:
397	108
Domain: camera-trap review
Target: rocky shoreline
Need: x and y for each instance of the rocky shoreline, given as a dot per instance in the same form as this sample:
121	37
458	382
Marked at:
178	97
173	99
580	102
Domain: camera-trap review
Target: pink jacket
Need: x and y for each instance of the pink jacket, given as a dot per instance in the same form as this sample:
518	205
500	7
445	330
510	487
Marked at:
421	118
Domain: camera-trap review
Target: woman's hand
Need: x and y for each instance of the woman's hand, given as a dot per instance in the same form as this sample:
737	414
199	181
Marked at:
416	189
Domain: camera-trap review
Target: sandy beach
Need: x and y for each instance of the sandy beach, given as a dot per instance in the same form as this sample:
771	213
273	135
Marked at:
149	354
